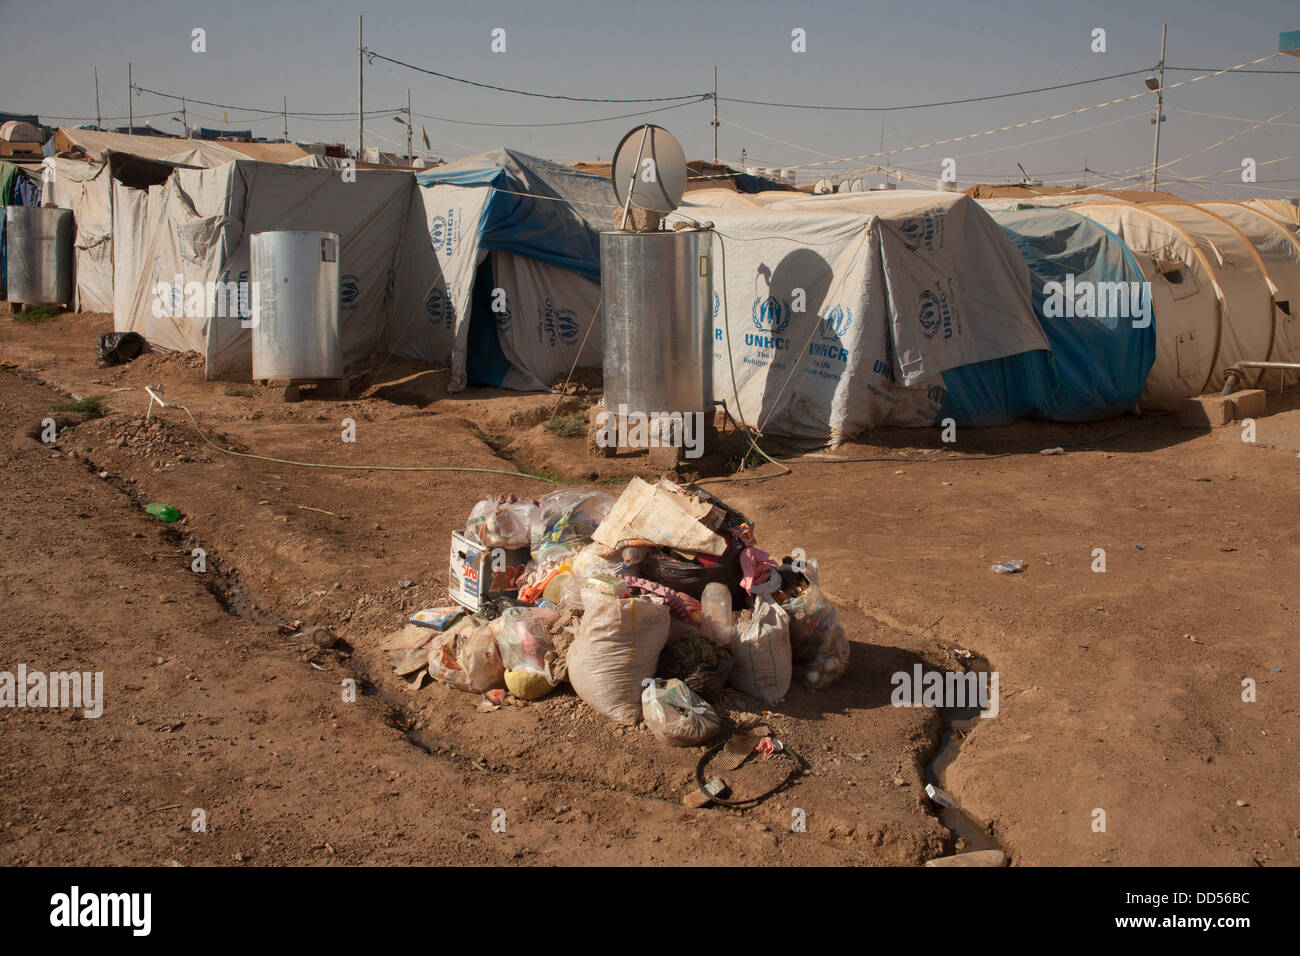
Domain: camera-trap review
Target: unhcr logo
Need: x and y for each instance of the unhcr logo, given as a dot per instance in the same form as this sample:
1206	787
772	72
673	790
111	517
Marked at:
566	322
717	303
771	315
836	322
438	305
1084	299
350	291
934	315
924	231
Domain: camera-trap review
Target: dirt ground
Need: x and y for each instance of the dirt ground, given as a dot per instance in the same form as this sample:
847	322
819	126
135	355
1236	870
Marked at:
1121	691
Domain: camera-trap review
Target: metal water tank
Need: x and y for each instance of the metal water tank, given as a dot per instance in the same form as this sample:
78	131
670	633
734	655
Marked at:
296	331
38	250
657	295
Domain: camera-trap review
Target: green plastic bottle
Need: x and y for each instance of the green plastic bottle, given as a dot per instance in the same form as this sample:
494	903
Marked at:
163	512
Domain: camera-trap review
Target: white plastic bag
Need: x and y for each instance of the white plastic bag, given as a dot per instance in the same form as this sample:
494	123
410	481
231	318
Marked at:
762	652
813	622
501	522
466	657
676	715
617	647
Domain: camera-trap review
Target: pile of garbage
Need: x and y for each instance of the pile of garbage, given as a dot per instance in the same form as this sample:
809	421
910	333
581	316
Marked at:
648	605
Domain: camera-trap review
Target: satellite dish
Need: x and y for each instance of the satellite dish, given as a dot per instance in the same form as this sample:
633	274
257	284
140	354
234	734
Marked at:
649	161
823	187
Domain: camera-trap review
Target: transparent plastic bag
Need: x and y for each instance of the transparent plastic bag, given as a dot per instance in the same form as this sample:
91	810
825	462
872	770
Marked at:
524	640
503	521
676	715
467	658
570	515
761	652
819	645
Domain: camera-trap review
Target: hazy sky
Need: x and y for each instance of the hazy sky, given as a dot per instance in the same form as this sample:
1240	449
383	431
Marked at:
858	54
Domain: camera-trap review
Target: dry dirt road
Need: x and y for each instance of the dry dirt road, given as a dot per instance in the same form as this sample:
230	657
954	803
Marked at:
1121	692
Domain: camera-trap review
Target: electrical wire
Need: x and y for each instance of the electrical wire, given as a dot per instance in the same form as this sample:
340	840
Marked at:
603	119
922	106
546	96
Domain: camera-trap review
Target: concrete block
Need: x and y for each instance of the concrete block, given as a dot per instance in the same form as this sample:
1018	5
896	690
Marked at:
1250	403
1206	411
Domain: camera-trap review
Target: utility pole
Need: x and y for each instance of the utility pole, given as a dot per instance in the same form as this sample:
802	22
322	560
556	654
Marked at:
410	122
715	115
130	105
361	92
1160	104
99	121
185	119
286	119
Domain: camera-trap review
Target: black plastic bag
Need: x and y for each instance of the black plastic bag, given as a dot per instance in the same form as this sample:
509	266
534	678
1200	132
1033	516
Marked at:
118	348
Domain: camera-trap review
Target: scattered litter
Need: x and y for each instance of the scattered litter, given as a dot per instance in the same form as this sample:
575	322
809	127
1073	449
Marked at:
437	618
974	858
163	512
117	348
1009	567
1058	450
940	797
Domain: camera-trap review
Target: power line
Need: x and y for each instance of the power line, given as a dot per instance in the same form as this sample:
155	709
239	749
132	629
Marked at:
1034	122
603	119
253	109
1206	69
546	96
922	106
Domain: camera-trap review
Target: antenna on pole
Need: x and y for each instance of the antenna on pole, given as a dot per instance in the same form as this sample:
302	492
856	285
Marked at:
130	105
410	124
286	119
185	120
1159	87
99	122
715	115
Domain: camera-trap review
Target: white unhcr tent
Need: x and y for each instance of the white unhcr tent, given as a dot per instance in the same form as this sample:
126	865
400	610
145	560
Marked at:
840	313
197	227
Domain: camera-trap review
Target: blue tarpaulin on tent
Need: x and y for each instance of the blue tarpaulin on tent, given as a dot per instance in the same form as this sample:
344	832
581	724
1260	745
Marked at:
558	222
1097	366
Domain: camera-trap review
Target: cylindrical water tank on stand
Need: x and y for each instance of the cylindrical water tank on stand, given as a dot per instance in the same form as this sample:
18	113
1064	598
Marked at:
296	331
657	295
38	252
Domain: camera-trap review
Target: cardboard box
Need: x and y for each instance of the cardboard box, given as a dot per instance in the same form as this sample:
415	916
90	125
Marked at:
480	574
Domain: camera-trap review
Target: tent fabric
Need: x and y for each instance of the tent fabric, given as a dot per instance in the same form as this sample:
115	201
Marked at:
438	263
559	220
895	289
1098	363
198	225
1279	250
1185	300
195	152
544	328
1247	326
1281	210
